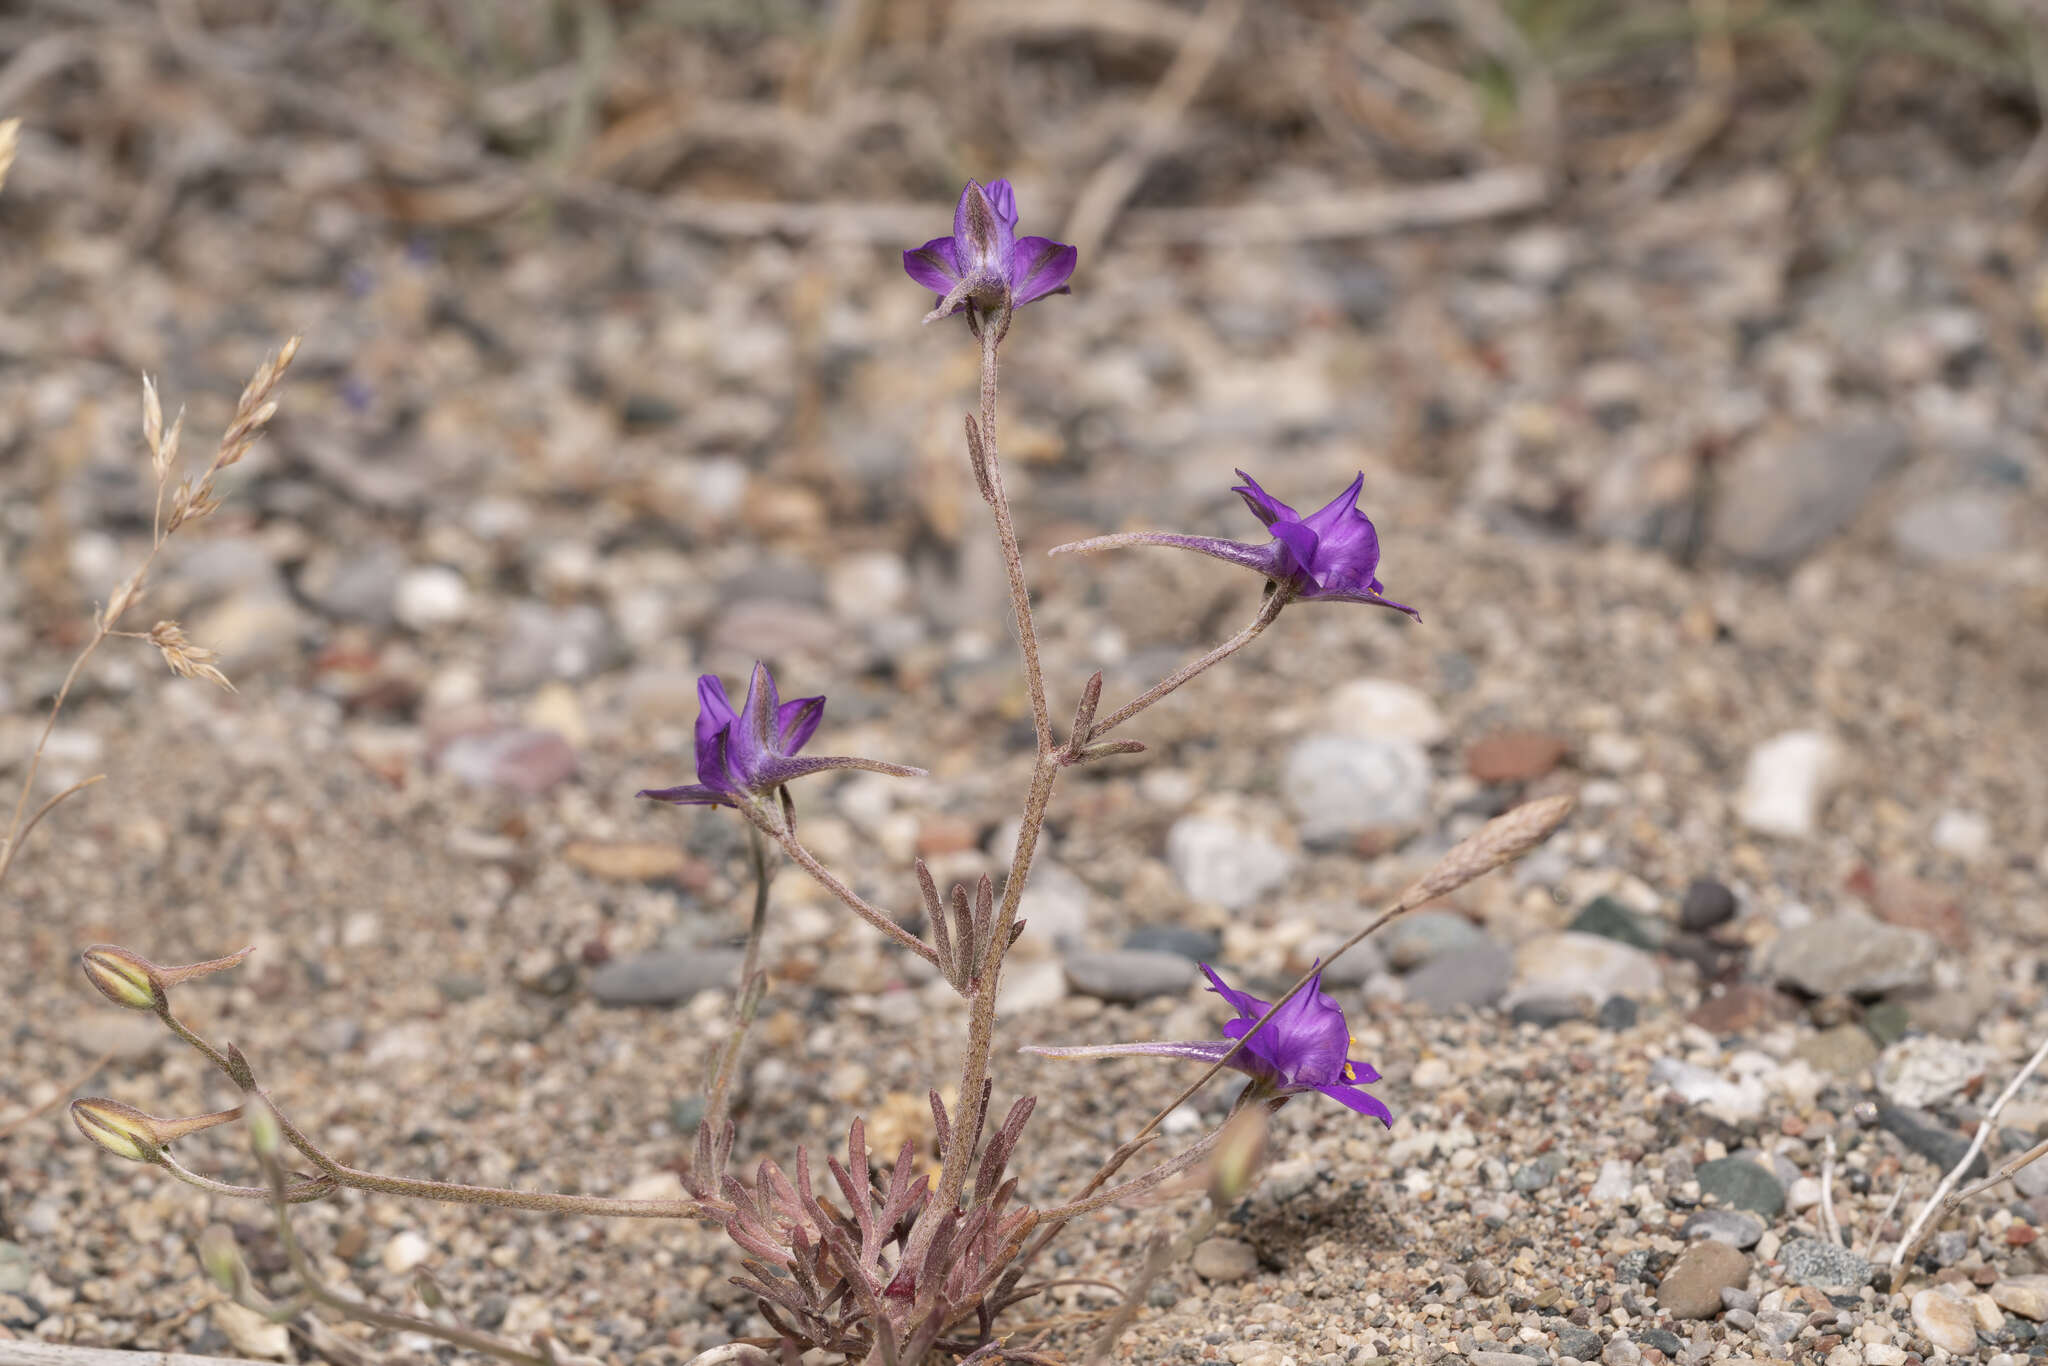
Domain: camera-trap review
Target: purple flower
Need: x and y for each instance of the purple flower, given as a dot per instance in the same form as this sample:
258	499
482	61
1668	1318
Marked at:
1330	554
745	755
1303	1048
984	263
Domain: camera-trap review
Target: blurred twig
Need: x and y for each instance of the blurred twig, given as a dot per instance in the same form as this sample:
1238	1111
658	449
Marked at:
1113	181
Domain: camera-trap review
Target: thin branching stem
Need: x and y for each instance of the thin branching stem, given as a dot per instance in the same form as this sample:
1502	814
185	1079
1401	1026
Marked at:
854	901
1269	610
348	1307
452	1192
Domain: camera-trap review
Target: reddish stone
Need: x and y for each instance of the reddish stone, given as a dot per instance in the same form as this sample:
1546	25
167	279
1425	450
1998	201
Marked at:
2019	1235
1742	1008
1514	756
1902	899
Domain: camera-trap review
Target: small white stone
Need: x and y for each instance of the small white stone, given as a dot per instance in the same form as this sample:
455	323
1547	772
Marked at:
1786	781
868	584
405	1251
432	596
1965	834
1384	708
1616	1180
1945	1322
1221	861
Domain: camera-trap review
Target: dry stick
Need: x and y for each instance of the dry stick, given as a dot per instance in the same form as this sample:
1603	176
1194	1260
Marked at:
31	1116
1945	1195
1704	115
1829	1227
1362	213
1103	196
1504	838
22	1352
2029	179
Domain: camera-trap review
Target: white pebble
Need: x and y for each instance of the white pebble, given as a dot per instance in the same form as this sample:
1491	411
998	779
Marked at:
432	596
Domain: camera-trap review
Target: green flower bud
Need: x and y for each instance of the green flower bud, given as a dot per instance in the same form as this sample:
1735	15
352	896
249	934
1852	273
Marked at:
221	1257
127	979
1239	1153
121	1129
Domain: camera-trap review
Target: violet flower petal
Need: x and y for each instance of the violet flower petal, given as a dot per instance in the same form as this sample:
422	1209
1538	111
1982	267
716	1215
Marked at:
935	265
1264	505
1039	266
1302	546
796	722
1244	1003
1354	1099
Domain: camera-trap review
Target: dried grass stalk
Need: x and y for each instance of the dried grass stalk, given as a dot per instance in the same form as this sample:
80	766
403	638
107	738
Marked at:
1501	840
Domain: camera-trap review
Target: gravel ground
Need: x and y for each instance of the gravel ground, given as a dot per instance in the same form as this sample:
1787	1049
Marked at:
1724	514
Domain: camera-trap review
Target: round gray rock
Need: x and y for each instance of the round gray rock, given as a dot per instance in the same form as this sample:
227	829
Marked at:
1127	975
1339	785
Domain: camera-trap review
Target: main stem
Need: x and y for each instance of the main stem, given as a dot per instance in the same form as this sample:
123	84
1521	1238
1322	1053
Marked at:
958	1157
748	1002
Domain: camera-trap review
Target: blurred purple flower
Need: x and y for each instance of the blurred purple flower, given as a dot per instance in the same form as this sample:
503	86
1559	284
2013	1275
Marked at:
984	262
745	755
1328	555
1305	1047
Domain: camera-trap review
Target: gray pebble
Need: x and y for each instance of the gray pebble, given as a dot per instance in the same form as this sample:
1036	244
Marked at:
665	977
1731	1226
1468	977
1127	975
1816	1261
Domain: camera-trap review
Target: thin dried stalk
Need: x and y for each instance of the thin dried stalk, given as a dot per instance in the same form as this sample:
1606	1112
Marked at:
10	140
1946	1197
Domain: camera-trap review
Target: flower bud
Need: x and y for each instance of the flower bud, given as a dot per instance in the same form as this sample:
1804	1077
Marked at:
121	1129
264	1134
221	1258
1239	1153
127	979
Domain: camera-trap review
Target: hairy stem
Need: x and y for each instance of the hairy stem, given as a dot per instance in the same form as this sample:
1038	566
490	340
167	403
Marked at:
449	1191
1269	609
1006	533
751	985
854	901
310	1283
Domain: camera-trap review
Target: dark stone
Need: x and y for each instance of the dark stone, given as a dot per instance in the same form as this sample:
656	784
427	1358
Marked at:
1887	1022
1582	1343
1546	1011
1618	1013
1635	1266
1201	946
1927	1136
1663	1339
1741	1184
1610	919
1707	904
490	1312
